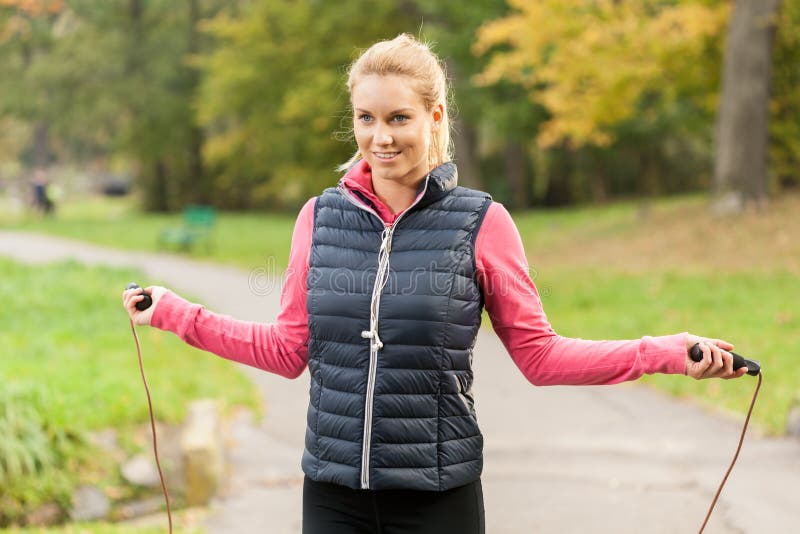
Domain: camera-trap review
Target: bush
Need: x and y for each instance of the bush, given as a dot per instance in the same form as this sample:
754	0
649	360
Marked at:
35	453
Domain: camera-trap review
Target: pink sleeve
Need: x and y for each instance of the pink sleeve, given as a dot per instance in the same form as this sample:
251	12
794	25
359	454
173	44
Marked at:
544	357
280	347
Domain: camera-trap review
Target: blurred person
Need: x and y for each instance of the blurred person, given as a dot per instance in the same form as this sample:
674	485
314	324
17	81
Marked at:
43	197
388	274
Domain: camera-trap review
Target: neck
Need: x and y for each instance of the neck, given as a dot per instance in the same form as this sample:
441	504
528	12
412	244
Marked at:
396	195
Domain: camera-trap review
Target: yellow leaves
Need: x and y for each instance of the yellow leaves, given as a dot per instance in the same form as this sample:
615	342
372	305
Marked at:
589	62
18	23
35	8
225	145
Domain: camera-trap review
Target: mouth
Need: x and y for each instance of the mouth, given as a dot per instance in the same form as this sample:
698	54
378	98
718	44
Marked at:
386	156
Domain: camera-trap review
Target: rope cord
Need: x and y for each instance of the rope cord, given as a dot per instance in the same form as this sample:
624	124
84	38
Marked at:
152	426
735	456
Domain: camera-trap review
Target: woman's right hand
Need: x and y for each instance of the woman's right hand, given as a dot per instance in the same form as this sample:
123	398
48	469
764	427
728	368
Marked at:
131	296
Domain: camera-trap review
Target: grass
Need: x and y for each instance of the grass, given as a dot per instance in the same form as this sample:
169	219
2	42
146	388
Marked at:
754	311
181	526
64	329
245	240
66	341
613	271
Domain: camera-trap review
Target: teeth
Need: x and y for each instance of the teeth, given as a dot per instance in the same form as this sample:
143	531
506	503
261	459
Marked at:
386	155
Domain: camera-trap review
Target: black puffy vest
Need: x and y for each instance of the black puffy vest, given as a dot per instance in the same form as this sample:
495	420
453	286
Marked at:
391	403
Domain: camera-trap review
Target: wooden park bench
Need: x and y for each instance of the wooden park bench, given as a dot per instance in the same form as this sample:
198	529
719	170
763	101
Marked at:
197	225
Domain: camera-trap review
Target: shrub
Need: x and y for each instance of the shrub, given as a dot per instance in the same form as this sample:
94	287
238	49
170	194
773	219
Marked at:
36	453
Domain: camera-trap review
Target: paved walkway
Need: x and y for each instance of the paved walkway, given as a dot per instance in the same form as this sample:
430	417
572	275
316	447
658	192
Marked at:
621	459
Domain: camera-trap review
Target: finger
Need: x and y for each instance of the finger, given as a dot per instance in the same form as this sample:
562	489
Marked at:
718	364
131	301
736	374
708	359
129	293
721	343
727	358
713	362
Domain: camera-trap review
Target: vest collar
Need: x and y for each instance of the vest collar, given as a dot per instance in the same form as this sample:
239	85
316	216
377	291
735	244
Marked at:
358	181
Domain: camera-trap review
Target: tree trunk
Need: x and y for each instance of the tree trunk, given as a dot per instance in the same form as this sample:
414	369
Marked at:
156	191
515	163
740	171
201	191
42	156
465	144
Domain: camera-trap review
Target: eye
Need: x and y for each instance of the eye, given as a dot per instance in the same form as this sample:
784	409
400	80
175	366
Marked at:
400	118
365	117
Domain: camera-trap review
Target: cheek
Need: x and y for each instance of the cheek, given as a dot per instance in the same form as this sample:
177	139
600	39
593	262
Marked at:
362	138
422	138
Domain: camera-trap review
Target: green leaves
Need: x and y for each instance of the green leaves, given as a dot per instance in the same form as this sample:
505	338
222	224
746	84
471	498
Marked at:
590	63
273	93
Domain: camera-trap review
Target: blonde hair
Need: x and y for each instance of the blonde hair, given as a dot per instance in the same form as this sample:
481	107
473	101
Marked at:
406	56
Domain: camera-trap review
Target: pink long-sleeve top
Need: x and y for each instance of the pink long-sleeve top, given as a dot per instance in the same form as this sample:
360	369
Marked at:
510	296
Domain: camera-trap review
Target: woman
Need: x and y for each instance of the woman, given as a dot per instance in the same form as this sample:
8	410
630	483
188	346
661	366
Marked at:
388	274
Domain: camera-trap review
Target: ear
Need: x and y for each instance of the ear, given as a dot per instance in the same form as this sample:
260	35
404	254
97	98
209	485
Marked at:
438	115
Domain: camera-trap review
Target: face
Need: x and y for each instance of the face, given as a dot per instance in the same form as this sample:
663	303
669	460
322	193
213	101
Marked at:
392	128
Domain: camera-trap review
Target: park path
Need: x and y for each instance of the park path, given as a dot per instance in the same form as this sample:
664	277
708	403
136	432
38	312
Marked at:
622	459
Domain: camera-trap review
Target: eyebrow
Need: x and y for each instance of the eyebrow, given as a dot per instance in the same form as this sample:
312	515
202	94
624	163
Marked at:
390	113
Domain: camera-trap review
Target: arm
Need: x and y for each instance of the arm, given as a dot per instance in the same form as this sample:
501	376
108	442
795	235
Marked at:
544	357
280	347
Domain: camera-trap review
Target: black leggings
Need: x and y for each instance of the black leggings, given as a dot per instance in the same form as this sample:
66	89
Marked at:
334	509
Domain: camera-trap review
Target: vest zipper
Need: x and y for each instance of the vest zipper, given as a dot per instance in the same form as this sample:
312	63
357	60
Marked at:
381	277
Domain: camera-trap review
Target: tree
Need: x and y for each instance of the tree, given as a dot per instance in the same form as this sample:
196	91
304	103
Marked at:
740	176
618	82
784	122
273	93
590	63
26	38
493	123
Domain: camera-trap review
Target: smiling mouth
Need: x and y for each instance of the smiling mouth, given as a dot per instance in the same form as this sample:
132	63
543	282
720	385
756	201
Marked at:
386	156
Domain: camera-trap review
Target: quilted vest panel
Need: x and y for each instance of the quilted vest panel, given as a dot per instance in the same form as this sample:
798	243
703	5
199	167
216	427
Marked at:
394	410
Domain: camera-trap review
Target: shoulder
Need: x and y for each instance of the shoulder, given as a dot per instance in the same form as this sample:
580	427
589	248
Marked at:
462	191
497	225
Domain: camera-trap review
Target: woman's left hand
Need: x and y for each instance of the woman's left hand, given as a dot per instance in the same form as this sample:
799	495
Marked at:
717	362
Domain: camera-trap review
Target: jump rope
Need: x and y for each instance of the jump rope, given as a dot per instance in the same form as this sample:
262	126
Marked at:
696	354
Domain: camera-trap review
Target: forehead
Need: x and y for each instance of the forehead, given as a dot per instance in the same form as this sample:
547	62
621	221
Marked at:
386	93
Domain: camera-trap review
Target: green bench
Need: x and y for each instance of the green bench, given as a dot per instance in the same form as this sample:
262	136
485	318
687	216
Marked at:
197	226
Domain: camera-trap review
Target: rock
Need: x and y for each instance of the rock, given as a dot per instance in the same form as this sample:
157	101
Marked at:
202	452
47	514
141	471
140	508
89	503
169	452
793	419
105	439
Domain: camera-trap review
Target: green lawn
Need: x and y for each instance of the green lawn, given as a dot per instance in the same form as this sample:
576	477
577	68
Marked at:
244	240
69	366
65	330
756	312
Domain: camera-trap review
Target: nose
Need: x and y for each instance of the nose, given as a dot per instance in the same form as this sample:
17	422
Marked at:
383	136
